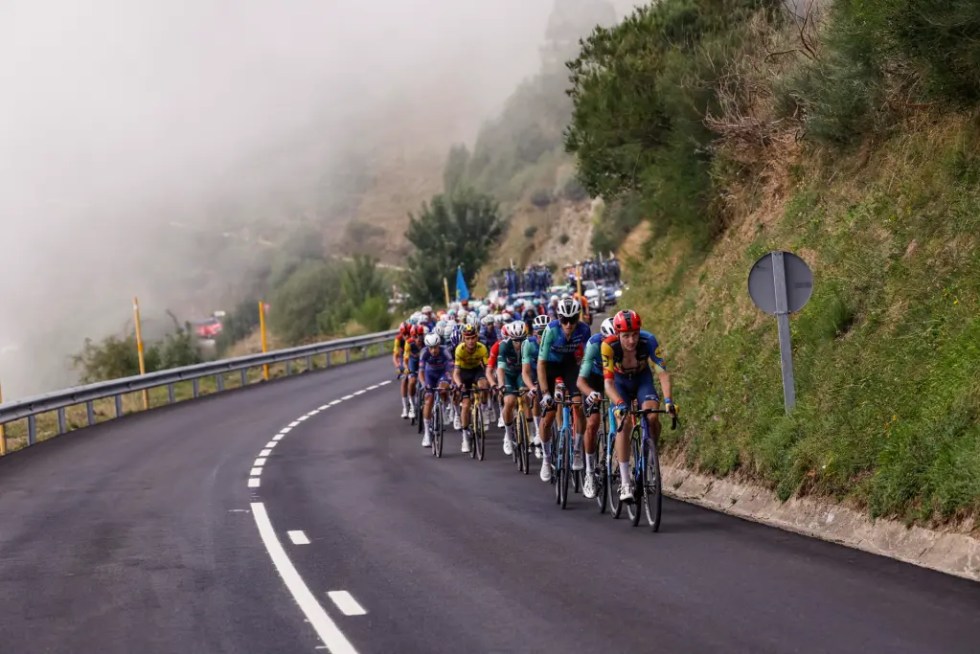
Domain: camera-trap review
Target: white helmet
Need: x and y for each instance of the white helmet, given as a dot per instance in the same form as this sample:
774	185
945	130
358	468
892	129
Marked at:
471	319
427	309
497	318
553	299
569	307
542	321
433	340
487	320
517	329
607	328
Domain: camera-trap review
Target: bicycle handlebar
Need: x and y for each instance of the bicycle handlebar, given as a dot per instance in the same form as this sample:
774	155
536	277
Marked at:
645	412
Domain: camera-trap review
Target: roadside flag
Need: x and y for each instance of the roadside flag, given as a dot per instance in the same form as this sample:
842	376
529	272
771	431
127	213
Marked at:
462	292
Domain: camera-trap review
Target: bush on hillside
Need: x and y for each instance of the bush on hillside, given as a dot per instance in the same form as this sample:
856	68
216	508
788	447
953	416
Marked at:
541	198
115	357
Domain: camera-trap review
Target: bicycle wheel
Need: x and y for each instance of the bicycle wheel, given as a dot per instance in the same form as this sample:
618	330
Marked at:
652	496
525	450
601	479
636	470
519	440
437	430
480	432
419	402
566	465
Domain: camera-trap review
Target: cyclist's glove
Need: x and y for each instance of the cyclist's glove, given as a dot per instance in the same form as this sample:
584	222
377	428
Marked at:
620	410
670	407
593	398
547	401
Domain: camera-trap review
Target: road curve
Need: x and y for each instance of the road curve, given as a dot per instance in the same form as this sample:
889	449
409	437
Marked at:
141	535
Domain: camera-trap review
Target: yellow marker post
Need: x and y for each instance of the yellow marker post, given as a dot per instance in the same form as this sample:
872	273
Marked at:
139	349
3	431
445	285
265	340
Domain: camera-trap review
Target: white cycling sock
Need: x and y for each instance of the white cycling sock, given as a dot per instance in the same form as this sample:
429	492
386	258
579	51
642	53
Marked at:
577	443
537	426
547	448
589	462
405	402
624	471
509	431
428	424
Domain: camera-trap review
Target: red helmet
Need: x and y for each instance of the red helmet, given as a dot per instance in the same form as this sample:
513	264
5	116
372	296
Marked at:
627	321
420	330
405	329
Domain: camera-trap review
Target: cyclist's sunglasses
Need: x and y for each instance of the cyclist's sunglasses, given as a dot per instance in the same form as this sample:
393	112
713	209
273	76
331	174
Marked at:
469	337
570	320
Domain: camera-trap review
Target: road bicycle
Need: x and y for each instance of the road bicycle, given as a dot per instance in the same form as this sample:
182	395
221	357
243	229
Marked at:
419	400
645	469
478	449
522	445
438	422
600	471
562	449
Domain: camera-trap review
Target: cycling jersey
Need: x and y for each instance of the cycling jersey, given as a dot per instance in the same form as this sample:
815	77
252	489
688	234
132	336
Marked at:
413	349
592	362
556	347
474	360
509	358
492	359
488	335
529	353
647	352
399	345
435	367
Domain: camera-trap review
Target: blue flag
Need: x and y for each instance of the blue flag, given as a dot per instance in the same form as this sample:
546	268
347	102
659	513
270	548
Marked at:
462	292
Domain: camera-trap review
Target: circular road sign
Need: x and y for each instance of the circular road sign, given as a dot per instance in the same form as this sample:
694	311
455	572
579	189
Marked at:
767	285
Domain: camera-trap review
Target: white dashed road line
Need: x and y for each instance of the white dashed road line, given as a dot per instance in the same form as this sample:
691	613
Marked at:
265	452
325	628
298	537
253	482
271	444
259	462
255	472
346	602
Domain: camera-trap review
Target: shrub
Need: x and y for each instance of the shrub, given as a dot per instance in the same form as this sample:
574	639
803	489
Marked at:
530	231
541	198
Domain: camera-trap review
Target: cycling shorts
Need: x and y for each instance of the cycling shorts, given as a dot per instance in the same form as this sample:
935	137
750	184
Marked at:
567	369
513	383
596	382
637	386
435	377
413	366
469	377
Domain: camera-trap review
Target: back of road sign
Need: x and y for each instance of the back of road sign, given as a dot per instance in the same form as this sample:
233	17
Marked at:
763	284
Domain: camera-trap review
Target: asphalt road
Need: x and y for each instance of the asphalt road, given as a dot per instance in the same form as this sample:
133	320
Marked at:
143	535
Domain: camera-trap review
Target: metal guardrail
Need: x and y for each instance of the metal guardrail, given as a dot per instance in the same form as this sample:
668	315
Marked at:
29	408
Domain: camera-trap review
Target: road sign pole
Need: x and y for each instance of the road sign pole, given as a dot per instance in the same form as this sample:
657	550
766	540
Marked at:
785	339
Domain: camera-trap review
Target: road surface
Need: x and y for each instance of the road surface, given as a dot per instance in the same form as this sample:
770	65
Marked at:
146	535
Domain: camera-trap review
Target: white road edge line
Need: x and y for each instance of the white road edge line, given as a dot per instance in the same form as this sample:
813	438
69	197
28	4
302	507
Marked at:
294	423
371	388
324	407
387	381
335	402
346	602
265	452
301	418
255	472
325	628
298	537
271	444
348	397
285	430
259	462
253	482
360	392
278	437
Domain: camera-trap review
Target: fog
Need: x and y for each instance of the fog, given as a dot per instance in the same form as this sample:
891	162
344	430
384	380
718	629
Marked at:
132	129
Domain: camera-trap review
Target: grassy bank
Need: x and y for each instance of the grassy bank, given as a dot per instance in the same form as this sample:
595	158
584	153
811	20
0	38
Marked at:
887	352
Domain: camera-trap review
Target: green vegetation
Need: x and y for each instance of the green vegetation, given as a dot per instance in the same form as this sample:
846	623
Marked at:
448	231
116	357
735	129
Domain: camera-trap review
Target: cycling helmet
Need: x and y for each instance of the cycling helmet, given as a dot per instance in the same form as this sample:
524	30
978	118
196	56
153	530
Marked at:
405	329
506	316
517	329
540	322
433	340
420	330
497	319
487	320
440	326
607	328
569	308
427	309
469	330
553	299
456	336
626	321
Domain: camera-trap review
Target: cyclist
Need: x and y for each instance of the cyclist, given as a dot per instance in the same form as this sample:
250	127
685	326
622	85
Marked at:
488	332
413	350
591	383
509	376
435	368
529	371
559	356
470	362
398	360
626	360
491	375
427	318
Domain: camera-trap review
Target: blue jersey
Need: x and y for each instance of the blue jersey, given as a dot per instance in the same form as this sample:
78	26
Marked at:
556	347
488	336
440	362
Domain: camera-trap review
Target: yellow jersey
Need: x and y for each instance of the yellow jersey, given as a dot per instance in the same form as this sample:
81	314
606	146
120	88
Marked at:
466	360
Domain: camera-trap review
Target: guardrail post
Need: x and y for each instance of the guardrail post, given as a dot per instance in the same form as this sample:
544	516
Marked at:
329	356
31	429
220	381
347	355
62	428
195	387
3	440
90	413
170	393
289	368
309	363
119	409
244	374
